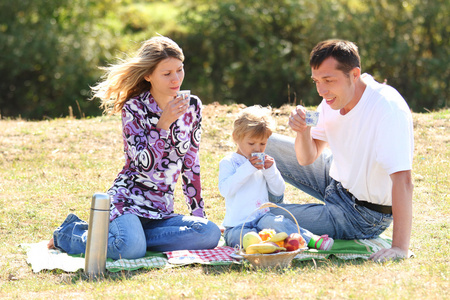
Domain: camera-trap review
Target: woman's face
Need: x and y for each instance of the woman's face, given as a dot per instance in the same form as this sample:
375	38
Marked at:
167	78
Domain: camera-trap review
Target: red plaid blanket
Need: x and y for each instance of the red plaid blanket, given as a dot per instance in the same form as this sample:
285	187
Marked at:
216	255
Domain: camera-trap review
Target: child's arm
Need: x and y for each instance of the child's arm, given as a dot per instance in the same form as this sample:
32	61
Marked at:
230	179
275	182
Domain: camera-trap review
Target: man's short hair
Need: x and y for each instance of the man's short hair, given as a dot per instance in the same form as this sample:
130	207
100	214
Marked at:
344	52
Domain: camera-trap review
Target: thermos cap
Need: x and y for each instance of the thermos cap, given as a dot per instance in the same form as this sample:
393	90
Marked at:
100	201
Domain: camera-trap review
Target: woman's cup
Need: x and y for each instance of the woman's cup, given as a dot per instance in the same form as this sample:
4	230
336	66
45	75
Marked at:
184	94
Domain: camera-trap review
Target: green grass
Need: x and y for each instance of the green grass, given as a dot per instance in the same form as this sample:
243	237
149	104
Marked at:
52	168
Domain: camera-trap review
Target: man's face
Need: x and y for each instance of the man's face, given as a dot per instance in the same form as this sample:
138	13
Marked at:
335	87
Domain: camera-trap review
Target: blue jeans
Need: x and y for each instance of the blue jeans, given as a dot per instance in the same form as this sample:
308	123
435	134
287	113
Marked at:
130	238
339	216
268	220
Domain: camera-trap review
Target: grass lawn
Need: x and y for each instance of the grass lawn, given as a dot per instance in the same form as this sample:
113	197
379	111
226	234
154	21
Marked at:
51	168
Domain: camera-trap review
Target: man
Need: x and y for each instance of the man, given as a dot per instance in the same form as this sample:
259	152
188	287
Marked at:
365	182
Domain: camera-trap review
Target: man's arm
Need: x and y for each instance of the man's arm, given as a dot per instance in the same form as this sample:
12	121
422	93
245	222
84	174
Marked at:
307	149
402	191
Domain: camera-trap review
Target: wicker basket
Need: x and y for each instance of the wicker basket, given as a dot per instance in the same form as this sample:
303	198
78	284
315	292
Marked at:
272	260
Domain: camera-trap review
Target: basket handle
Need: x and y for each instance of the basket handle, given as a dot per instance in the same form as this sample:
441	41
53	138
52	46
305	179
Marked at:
265	205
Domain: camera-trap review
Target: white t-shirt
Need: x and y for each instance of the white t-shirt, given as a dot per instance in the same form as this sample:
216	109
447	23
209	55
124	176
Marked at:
370	142
245	188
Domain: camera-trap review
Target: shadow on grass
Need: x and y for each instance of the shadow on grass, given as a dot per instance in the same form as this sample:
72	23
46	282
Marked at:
76	277
295	265
244	267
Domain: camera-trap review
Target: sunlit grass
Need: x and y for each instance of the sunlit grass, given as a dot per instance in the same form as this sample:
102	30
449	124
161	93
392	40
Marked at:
51	168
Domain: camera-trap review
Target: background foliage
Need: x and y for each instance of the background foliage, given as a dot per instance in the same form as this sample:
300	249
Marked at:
237	51
49	50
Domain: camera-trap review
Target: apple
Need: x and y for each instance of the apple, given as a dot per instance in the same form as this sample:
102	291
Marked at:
294	241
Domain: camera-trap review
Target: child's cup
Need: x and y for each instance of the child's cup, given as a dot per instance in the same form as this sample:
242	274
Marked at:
311	118
261	156
185	94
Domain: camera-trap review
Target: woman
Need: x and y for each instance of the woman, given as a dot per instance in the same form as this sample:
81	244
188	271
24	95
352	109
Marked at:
161	134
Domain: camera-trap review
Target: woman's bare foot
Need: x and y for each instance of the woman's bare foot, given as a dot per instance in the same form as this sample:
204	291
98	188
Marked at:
51	244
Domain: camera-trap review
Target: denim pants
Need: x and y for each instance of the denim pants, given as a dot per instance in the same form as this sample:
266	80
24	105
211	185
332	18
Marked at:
268	220
338	216
130	238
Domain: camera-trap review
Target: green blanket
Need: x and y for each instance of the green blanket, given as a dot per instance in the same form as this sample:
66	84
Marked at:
348	249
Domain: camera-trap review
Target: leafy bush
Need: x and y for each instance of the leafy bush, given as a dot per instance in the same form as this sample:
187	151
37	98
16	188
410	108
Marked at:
236	51
50	50
258	51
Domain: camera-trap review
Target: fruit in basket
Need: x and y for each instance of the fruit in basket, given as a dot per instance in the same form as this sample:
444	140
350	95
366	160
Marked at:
279	237
266	234
263	248
250	238
278	247
294	241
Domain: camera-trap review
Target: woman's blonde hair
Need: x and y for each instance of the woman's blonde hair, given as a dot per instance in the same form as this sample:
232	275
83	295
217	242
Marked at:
125	80
255	121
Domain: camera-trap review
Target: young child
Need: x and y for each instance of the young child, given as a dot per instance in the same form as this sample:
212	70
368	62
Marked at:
245	181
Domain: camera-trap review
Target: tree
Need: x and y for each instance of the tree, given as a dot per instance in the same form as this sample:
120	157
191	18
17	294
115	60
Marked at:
258	51
49	53
249	52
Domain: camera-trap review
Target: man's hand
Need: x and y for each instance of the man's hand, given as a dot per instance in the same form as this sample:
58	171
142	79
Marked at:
297	119
384	255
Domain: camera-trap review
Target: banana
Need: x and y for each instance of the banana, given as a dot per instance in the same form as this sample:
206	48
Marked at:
281	236
263	248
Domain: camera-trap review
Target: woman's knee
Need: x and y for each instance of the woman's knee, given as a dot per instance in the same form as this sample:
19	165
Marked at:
126	238
209	234
121	249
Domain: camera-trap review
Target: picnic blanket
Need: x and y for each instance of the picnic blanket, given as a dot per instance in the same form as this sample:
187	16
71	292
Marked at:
348	249
40	258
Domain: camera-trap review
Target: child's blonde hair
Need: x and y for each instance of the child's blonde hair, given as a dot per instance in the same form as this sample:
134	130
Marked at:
255	121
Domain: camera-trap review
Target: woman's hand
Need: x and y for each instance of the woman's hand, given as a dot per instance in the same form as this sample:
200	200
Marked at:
173	110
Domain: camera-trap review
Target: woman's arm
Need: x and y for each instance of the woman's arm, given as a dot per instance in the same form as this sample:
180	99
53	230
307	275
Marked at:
144	142
190	170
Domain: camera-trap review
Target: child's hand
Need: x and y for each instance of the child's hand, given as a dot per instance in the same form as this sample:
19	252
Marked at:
256	162
268	161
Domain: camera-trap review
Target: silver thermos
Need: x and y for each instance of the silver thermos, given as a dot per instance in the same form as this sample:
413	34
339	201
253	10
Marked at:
97	239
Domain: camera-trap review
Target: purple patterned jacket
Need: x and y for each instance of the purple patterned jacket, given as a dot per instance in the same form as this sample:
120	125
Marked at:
154	159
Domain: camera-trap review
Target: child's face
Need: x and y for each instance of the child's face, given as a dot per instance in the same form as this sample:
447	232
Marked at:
249	145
